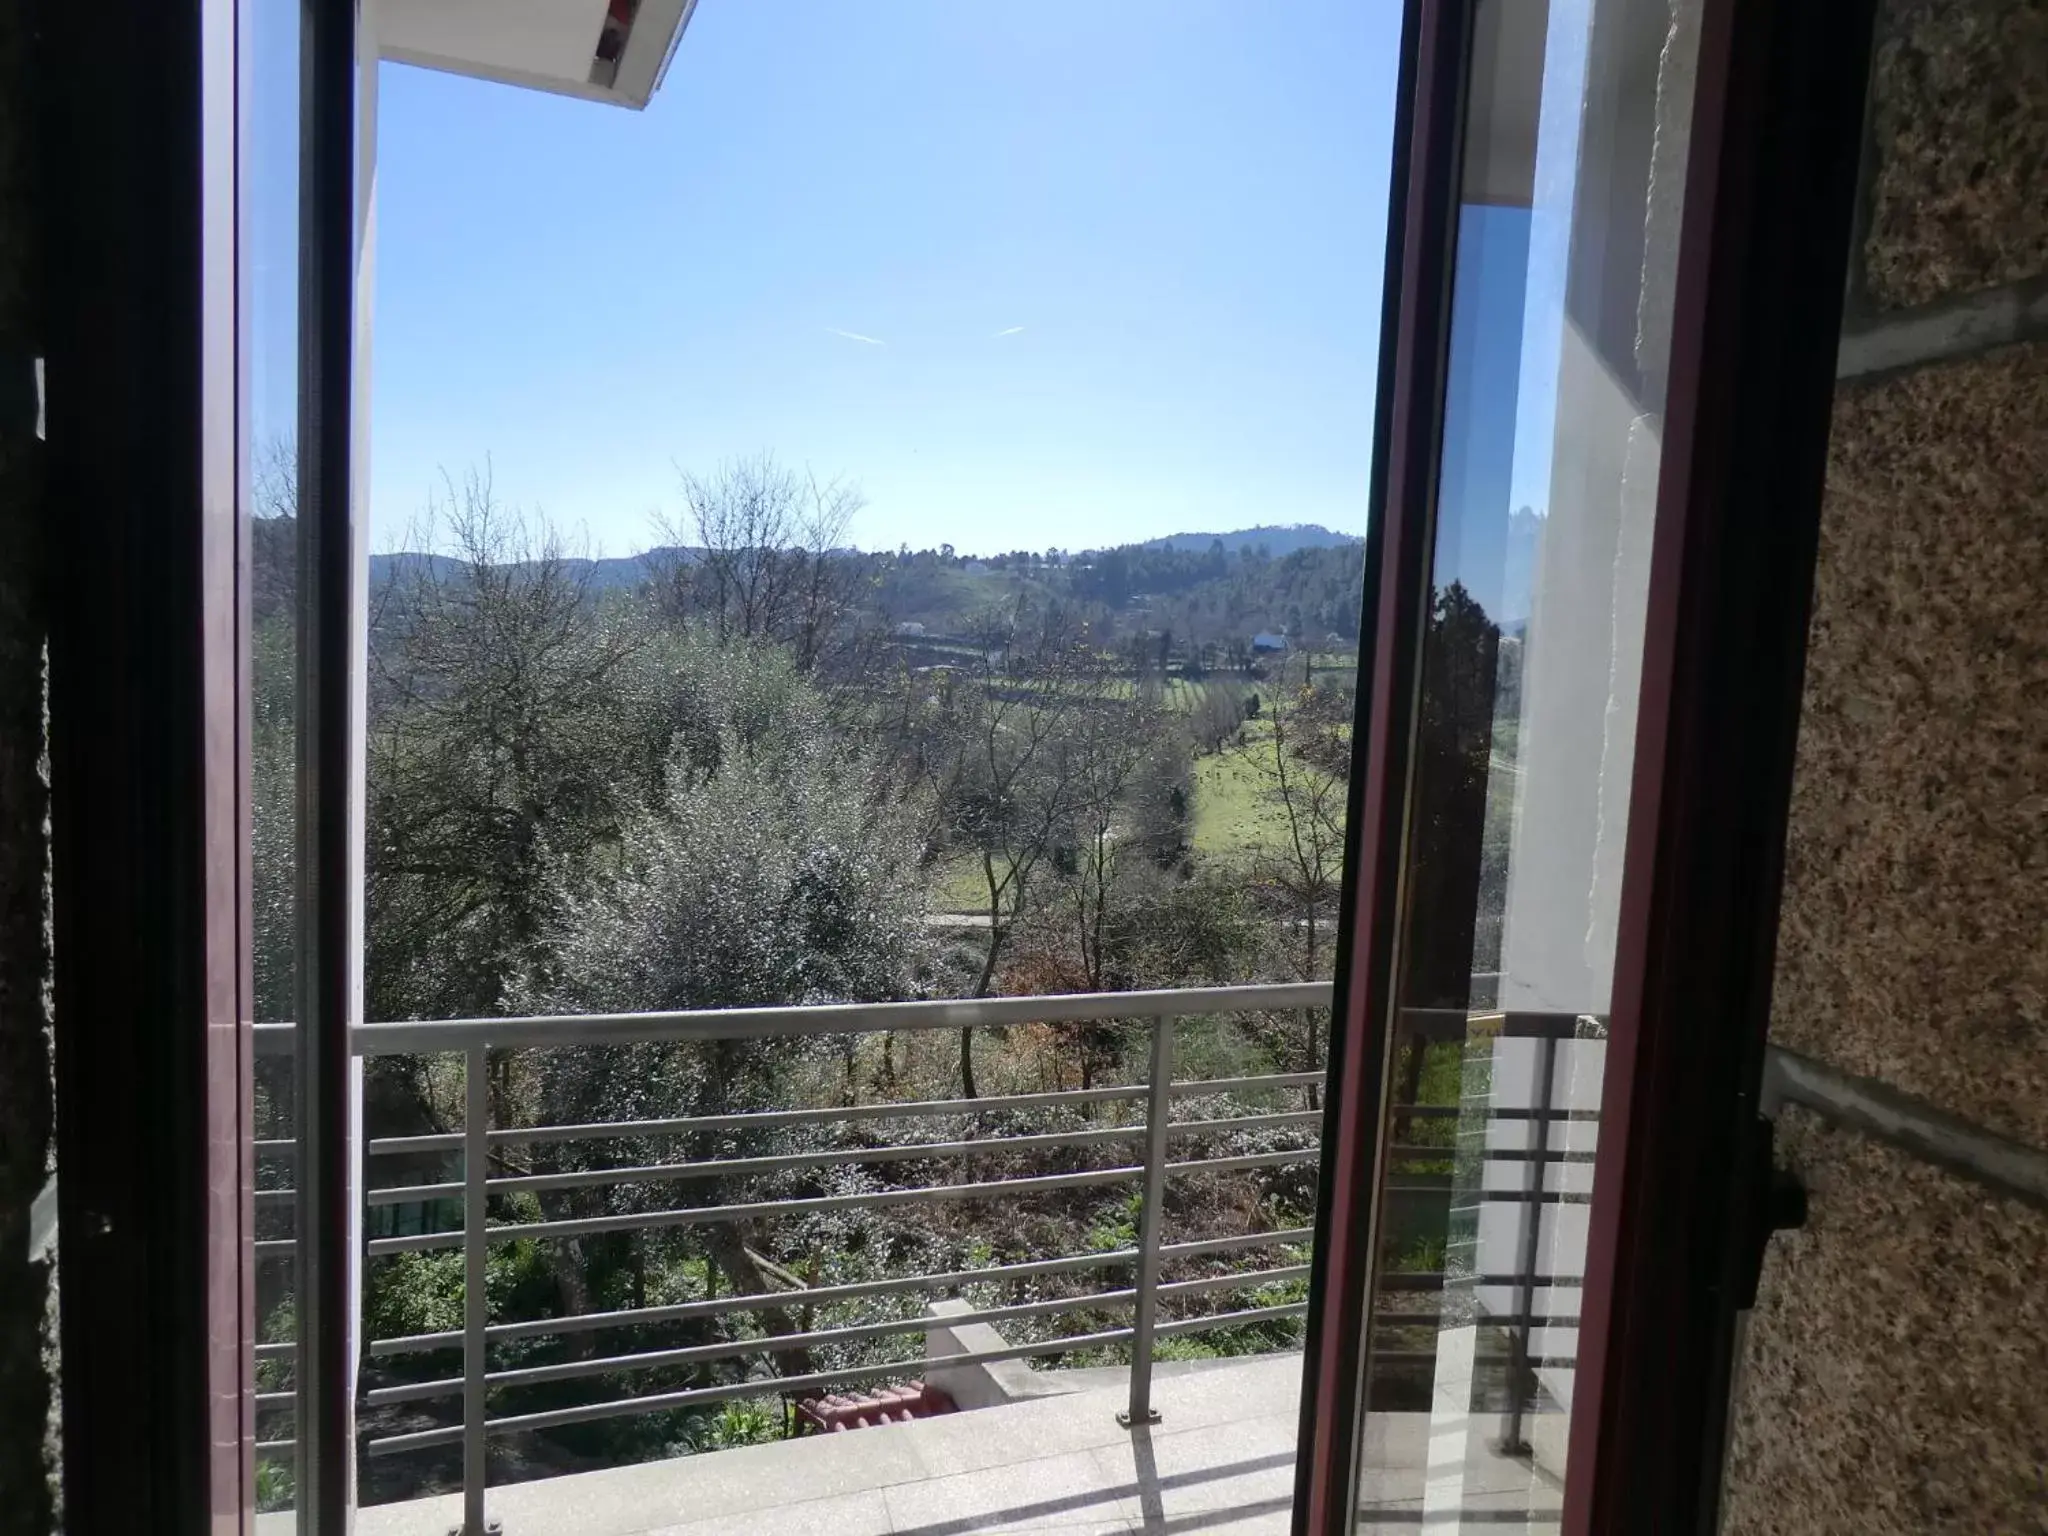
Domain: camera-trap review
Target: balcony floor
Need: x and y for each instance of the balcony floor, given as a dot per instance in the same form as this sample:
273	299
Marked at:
1220	1461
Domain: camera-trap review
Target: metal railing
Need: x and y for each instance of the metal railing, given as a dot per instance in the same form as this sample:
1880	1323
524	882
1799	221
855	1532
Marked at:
479	1142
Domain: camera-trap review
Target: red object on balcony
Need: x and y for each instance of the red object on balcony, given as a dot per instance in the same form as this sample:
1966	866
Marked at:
892	1405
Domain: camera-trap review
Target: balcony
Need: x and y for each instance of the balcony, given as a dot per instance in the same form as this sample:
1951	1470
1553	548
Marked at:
1103	1434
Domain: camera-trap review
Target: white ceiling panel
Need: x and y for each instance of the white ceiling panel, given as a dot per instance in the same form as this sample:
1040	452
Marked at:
537	41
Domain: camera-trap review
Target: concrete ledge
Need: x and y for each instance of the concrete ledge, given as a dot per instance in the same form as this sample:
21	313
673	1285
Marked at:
988	1383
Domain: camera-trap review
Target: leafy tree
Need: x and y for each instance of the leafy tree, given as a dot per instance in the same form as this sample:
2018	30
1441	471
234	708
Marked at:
1453	744
511	728
773	870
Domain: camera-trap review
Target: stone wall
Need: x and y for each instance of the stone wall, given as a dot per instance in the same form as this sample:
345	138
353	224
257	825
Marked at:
25	1088
1893	1371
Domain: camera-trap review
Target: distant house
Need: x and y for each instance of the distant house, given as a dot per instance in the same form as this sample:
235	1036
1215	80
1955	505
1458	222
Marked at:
910	631
1266	640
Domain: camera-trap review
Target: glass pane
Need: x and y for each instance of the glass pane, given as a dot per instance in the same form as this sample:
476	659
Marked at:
269	233
1518	807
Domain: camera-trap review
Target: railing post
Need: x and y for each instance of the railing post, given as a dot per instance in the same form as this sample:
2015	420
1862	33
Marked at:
1158	1107
1522	1385
476	1302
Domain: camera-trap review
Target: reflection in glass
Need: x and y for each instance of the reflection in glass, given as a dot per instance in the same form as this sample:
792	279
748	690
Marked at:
1518	805
269	234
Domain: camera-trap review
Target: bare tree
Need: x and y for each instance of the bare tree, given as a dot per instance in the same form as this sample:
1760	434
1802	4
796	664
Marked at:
1009	763
1217	714
1307	789
760	554
1115	751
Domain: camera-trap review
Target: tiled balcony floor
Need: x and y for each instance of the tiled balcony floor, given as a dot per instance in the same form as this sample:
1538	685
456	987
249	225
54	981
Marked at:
1220	1461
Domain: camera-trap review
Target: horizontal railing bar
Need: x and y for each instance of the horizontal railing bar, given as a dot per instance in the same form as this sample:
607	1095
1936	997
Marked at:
275	1039
1248	1160
1435	1280
421	1036
1236	1281
1564	1282
1262	1081
1231	1319
641	1317
1452	1153
1506	1024
782	1344
730	1349
1206	1245
276	1447
1412	1280
437	1141
585	1178
392	1445
586	1226
753	1120
273	1198
1527	1196
771	1386
1454	1111
275	1147
816	1296
284	1351
276	1248
778	1119
703	1215
270	1402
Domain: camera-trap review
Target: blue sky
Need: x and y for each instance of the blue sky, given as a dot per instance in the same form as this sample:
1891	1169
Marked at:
1122	259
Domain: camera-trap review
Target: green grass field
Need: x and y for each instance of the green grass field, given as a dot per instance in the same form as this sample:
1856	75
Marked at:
960	885
1234	813
1178	696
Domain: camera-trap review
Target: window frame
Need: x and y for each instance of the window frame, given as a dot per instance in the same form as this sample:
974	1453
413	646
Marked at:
148	765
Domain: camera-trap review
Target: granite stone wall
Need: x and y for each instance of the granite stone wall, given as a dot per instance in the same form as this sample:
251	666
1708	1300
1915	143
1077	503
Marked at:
1895	1371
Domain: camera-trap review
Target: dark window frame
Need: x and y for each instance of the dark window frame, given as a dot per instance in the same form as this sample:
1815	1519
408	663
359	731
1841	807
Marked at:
148	764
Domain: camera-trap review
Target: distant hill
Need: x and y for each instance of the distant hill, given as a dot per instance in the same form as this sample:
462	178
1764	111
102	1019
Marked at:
614	574
1196	589
1276	539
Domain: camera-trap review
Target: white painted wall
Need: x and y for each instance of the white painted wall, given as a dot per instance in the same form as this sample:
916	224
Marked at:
1582	669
